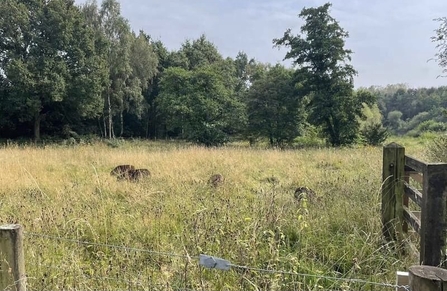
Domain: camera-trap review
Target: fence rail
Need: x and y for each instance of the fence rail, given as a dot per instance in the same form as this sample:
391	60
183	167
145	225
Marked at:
431	221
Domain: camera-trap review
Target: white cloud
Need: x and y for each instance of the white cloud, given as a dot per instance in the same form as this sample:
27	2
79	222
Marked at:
390	39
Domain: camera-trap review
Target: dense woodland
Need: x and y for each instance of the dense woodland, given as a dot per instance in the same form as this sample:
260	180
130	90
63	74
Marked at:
69	71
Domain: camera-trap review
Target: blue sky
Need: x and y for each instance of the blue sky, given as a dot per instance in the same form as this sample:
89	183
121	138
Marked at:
390	39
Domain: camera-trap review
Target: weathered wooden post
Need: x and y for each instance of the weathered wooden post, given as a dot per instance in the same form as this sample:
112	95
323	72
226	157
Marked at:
434	215
405	199
392	191
12	264
427	278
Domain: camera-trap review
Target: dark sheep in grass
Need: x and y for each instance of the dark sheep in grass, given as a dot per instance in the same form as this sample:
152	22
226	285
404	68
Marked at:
216	180
305	193
138	174
122	171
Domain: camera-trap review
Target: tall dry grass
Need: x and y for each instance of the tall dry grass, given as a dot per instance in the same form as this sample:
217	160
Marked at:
64	196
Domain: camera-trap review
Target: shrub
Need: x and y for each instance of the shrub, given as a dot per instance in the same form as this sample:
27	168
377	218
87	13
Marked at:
374	134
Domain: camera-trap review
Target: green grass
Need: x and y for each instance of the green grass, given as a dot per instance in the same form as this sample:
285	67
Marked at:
67	192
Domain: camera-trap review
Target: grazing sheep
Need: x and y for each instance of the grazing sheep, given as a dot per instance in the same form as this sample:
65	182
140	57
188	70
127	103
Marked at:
304	192
216	180
122	171
137	174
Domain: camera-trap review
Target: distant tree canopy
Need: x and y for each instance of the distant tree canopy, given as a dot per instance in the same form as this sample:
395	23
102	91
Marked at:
70	71
412	111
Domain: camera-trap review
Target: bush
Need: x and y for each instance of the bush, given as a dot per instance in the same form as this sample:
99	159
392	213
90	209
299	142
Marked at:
431	125
427	126
208	135
374	134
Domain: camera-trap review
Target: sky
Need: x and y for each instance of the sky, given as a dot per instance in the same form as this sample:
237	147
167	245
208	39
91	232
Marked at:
390	38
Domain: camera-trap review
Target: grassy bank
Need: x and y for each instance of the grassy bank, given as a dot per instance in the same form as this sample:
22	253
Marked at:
64	196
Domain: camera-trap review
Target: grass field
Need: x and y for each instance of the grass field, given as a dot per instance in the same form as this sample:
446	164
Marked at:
64	196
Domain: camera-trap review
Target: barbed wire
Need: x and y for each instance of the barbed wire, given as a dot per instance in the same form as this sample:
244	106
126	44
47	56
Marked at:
222	262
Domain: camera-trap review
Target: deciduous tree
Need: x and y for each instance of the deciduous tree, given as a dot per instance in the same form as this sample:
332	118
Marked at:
274	110
48	60
197	104
324	74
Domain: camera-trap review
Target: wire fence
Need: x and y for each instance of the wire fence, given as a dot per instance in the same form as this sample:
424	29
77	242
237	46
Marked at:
85	265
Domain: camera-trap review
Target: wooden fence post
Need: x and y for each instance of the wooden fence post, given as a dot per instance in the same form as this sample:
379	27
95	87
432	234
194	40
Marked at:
392	191
12	262
434	215
427	278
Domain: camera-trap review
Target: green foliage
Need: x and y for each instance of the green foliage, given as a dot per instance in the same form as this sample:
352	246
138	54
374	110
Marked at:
370	114
274	110
432	126
198	104
414	122
374	134
154	119
131	64
312	137
197	95
116	30
143	62
372	131
394	121
427	126
431	121
405	108
198	53
441	39
324	74
49	60
241	64
83	68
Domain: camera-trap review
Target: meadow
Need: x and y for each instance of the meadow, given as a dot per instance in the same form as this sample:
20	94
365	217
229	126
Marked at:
84	230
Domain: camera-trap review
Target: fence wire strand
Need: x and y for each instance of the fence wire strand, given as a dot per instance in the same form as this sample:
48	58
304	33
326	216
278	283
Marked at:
187	257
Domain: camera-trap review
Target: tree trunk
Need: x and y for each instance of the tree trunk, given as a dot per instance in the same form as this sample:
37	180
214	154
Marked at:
153	122
110	114
105	126
332	134
271	139
100	127
147	123
121	122
37	120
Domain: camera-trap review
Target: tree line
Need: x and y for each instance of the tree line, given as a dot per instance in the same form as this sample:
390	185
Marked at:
69	70
410	111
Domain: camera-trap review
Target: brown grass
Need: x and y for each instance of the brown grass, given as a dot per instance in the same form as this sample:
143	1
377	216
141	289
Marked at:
69	193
